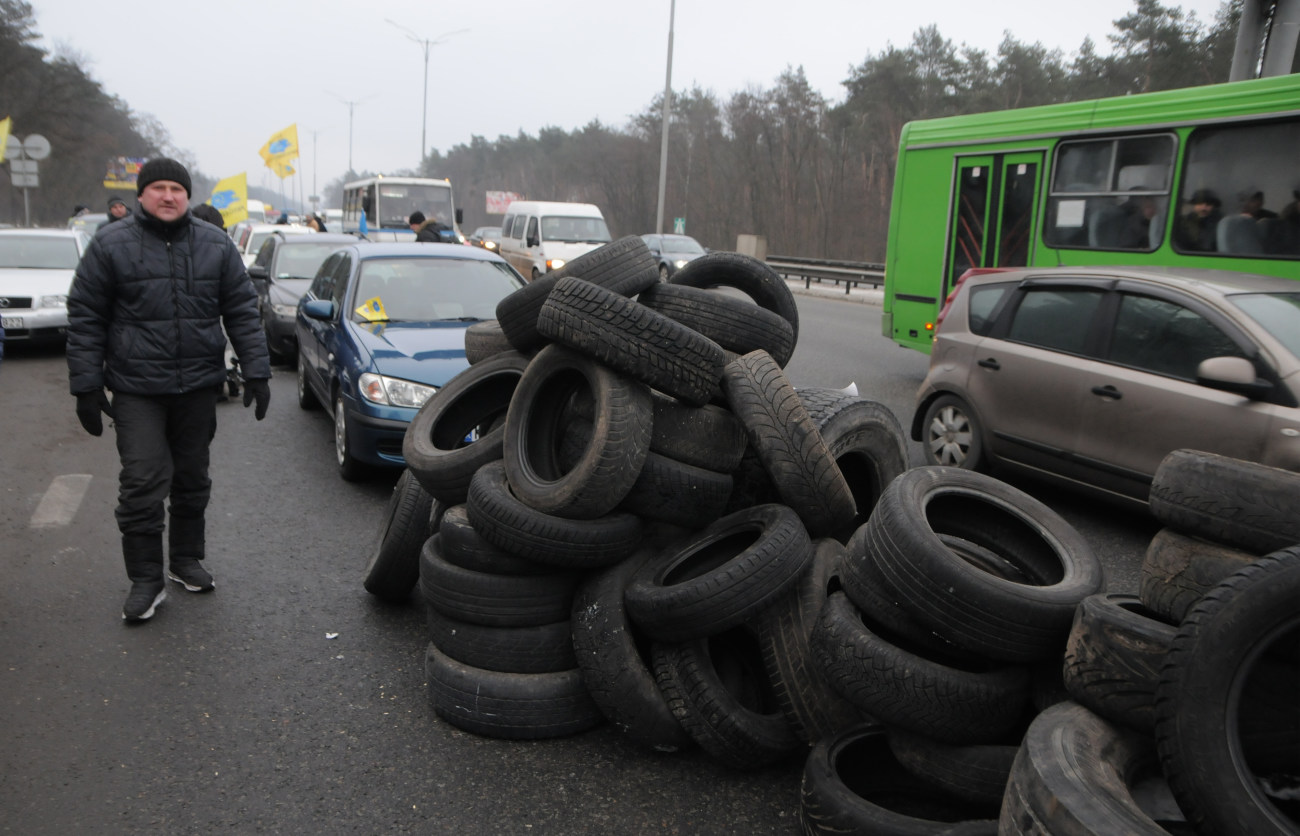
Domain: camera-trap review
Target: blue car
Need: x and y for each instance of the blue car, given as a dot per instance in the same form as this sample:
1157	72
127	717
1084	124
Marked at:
381	328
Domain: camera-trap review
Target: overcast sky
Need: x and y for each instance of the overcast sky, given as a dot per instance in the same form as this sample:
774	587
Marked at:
223	76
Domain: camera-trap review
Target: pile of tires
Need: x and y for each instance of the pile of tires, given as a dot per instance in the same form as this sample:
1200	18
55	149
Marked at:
642	527
1171	711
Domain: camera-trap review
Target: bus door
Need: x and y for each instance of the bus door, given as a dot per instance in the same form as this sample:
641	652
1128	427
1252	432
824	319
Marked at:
992	222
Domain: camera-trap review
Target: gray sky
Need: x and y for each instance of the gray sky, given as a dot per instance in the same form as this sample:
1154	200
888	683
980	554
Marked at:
224	76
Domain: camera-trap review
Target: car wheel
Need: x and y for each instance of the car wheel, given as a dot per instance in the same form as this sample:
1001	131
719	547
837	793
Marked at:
663	272
951	434
349	468
275	357
306	398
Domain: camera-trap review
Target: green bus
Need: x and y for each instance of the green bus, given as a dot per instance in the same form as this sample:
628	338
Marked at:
1198	177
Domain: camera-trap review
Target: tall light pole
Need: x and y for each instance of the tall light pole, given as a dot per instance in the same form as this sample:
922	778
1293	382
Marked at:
663	146
425	43
351	105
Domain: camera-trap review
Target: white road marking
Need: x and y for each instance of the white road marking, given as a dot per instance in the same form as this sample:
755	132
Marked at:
61	501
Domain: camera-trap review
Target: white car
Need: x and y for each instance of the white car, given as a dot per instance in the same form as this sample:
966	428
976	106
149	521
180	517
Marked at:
249	238
36	269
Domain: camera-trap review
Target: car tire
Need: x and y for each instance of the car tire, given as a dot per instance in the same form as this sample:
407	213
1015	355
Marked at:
485	339
511	525
394	566
866	441
748	275
951	435
814	709
624	266
306	397
736	324
511	706
1226	703
667	490
542	648
977	773
463	546
1178	569
349	467
1242	504
493	600
434	446
632	339
852	784
706	436
717	689
1113	659
953	699
721	576
610	461
1075	775
788	442
1010	587
614	658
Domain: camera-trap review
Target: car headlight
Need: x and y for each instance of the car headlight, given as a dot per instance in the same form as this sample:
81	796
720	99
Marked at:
489	245
393	391
58	301
555	264
679	263
284	310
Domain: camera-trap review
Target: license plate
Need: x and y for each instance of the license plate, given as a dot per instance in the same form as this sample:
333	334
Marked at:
11	322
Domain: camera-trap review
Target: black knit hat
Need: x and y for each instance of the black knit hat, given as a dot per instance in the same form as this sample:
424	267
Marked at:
162	168
417	217
115	200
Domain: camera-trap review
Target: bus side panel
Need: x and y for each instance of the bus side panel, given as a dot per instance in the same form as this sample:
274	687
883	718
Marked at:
914	272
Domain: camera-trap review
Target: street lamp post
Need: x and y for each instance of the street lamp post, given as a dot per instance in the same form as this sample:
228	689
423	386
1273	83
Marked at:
351	105
663	147
425	43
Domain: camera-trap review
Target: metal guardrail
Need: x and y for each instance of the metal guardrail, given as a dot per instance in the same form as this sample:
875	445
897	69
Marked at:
824	269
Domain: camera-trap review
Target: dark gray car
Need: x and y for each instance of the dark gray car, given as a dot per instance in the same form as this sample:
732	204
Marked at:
282	272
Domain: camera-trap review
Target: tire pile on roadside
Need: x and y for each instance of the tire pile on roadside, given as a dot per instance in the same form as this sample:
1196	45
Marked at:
652	528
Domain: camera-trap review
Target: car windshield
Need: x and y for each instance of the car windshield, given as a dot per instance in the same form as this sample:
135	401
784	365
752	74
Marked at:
38	252
300	261
575	230
684	246
1277	313
430	289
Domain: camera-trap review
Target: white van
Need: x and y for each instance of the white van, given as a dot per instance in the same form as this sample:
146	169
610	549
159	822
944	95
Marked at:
256	211
539	236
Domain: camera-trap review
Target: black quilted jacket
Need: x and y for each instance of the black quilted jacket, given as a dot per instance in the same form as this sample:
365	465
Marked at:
147	305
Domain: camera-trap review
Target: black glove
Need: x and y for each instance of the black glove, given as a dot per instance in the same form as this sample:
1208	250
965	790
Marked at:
89	405
260	391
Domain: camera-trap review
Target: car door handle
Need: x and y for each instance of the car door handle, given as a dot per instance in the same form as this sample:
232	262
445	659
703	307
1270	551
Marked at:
1107	391
989	363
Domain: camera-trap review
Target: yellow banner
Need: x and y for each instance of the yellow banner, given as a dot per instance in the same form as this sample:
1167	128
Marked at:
282	168
230	198
281	146
4	135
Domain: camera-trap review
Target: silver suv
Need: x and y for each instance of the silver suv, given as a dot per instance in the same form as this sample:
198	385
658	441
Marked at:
1091	375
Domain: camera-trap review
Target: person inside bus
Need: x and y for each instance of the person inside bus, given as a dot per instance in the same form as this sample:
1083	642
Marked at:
1197	229
1136	232
1252	205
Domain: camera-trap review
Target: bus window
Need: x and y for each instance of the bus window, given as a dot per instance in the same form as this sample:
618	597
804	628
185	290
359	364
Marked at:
968	228
1107	194
1016	227
1251	173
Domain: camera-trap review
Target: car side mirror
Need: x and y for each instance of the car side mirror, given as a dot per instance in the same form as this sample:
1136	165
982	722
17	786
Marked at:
532	241
1233	374
460	217
319	309
258	271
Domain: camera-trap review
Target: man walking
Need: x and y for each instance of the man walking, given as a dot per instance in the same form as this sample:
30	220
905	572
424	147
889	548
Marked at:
145	317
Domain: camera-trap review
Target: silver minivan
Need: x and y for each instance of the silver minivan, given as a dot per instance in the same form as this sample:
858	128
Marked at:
1092	375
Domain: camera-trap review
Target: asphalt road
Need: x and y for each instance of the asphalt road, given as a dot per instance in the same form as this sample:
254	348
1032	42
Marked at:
289	700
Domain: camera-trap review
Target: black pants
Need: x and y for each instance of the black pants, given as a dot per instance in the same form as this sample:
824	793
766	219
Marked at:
163	443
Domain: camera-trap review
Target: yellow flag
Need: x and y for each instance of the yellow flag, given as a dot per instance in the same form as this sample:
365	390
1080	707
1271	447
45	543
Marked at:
282	167
4	135
372	310
282	145
230	197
